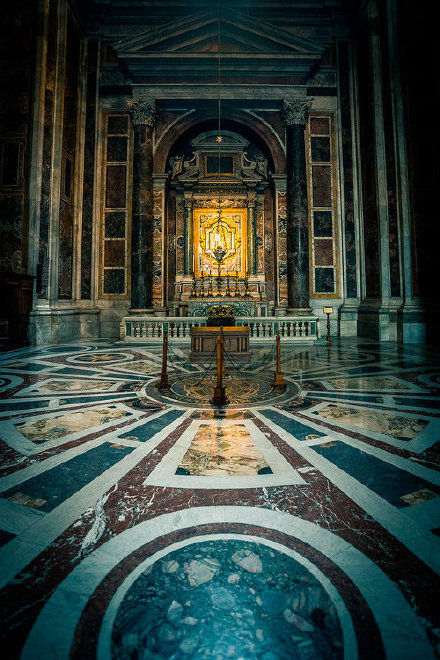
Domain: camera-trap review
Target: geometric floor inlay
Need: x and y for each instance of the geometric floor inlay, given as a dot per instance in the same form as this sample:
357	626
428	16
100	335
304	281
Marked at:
292	523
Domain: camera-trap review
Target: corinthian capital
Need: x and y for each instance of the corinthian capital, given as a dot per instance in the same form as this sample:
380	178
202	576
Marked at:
296	111
143	111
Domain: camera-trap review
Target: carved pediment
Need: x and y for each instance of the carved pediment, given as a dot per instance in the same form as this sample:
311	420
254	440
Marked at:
200	33
191	46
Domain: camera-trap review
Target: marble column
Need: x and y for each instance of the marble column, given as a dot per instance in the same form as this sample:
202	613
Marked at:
295	117
143	112
252	237
188	238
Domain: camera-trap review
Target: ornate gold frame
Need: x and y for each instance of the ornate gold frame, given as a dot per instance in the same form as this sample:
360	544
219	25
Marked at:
200	234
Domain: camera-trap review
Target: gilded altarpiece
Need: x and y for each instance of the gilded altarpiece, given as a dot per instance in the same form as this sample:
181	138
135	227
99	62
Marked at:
228	230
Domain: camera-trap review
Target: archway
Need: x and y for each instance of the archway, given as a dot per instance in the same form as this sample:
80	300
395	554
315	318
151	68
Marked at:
220	195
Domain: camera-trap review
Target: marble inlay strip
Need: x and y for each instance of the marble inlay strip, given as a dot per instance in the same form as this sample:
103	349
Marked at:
21	550
164	473
395	521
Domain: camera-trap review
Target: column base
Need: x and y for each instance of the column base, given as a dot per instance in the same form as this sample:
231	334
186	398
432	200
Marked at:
348	318
146	311
48	325
417	323
377	320
299	311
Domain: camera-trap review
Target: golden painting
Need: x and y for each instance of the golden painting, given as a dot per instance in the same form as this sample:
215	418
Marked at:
226	230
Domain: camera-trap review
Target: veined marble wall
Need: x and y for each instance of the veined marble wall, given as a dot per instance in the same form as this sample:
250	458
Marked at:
90	152
49	75
18	35
69	178
322	163
114	280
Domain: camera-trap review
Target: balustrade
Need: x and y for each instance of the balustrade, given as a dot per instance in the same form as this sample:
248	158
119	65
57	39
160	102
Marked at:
179	328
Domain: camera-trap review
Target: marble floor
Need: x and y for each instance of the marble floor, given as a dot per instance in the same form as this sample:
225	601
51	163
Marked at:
140	524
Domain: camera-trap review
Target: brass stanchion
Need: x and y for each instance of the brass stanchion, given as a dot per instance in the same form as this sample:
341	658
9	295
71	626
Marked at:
164	382
237	290
219	398
328	311
228	290
278	381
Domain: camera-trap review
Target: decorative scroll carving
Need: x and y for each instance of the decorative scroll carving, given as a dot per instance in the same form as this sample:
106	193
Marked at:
224	203
296	111
143	111
190	170
183	169
255	169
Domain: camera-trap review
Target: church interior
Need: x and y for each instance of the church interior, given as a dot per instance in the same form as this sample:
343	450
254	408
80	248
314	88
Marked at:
220	375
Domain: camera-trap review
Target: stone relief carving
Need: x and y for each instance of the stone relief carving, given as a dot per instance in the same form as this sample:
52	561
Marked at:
143	111
296	111
176	166
190	169
256	169
183	169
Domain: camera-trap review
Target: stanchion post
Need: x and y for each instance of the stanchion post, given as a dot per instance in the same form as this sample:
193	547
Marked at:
219	398
328	311
164	382
278	381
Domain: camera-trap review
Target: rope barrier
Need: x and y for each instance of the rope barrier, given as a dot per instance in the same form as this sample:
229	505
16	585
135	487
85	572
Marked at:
232	364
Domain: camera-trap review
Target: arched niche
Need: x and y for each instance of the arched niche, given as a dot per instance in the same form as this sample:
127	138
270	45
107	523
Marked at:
249	126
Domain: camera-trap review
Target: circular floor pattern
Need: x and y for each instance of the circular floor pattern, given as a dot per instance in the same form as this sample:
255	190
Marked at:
100	357
227	599
240	390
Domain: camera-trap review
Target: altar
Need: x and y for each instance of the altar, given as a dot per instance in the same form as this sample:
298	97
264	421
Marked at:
204	341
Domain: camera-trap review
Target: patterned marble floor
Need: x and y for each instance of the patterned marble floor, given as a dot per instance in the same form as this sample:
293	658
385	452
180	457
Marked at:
143	525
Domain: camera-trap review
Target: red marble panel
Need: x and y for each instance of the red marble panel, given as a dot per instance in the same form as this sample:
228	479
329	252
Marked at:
323	252
114	253
319	126
115	191
321	185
